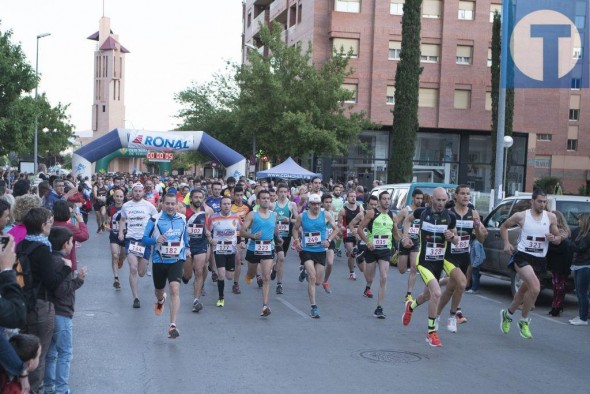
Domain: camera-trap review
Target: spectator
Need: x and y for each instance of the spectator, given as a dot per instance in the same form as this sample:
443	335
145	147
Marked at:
559	259
27	350
22	205
61	217
21	187
581	268
4	215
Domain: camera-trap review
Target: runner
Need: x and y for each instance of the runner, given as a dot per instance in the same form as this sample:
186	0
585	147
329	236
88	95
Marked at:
100	192
362	247
214	202
313	244
538	228
260	227
198	214
118	254
286	215
327	208
437	228
346	215
407	256
135	215
224	228
151	195
240	209
168	233
337	204
468	225
381	228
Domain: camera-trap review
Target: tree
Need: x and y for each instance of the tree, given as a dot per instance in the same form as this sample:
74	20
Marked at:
407	88
18	111
509	114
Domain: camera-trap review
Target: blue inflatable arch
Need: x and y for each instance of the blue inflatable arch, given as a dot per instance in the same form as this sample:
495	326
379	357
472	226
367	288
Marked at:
83	158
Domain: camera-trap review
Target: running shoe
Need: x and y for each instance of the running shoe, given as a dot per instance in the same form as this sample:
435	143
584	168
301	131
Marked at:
197	306
248	280
302	273
352	276
452	324
136	303
159	307
460	317
409	298
368	293
315	312
116	284
576	321
259	281
338	253
220	303
149	272
279	289
525	331
265	311
273	274
433	339
407	316
236	289
173	332
379	313
326	287
214	276
505	321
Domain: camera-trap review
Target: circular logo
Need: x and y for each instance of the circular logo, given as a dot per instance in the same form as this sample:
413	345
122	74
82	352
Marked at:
527	51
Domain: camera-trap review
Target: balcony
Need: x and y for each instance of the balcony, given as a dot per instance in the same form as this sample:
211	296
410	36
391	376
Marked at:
263	3
277	8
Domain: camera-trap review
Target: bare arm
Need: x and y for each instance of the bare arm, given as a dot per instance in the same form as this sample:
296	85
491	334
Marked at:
481	232
368	215
515	220
555	236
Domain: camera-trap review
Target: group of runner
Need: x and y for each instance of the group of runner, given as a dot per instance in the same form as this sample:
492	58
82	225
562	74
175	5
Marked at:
214	230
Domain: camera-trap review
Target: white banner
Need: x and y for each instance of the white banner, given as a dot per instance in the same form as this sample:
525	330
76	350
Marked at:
166	142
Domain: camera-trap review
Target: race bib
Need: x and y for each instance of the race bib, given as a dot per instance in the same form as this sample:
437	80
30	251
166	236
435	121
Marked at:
195	231
434	251
349	232
312	239
414	229
283	228
381	241
462	246
224	247
263	248
535	246
170	250
136	248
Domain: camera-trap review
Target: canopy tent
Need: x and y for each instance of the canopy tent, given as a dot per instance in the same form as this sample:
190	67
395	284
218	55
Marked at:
288	169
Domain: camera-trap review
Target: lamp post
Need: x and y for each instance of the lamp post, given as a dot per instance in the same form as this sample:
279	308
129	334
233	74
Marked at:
253	158
36	98
508	141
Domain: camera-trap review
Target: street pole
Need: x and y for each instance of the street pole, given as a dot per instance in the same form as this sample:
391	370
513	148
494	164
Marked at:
35	143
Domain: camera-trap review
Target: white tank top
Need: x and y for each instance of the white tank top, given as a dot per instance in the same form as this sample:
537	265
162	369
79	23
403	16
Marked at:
532	237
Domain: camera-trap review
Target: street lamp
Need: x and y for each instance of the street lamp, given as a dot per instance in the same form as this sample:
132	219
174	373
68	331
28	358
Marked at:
253	158
508	141
36	98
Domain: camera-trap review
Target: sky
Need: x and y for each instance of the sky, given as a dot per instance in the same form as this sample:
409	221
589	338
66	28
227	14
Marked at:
172	43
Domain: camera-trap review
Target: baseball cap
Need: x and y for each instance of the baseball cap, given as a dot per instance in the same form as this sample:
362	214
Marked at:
314	198
136	185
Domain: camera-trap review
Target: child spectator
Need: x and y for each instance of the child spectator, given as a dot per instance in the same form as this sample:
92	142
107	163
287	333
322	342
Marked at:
28	349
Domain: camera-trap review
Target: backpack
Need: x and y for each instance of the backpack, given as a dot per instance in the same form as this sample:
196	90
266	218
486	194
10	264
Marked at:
24	275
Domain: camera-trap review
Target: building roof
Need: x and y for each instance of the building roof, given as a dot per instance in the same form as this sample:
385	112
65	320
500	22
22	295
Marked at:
94	36
111	43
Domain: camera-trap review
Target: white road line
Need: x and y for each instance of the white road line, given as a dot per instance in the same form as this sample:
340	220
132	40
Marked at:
550	319
292	307
488	298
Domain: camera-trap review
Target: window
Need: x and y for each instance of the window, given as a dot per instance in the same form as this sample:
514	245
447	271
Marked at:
429	53
577	53
544	137
352	88
574	108
462	99
395	48
299	13
580	22
348	5
574	115
466	10
348	45
572	144
391	95
493	9
432	9
396	7
576	83
428	98
104	108
488	104
543	162
464	54
489	57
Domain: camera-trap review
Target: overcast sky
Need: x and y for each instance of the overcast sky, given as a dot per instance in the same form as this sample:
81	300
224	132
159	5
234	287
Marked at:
172	43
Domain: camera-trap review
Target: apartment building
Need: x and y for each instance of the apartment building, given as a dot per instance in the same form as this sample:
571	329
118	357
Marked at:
551	130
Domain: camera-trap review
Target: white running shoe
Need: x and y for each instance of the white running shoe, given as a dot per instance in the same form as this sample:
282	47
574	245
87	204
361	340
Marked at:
452	324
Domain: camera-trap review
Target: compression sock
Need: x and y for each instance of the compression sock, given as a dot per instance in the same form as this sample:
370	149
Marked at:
220	287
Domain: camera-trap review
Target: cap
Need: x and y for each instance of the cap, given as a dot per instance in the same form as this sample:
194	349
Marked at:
136	185
314	198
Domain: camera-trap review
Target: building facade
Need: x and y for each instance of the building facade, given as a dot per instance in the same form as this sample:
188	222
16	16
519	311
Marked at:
551	132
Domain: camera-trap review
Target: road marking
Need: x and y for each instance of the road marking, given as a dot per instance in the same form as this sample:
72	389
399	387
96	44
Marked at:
550	319
292	307
488	298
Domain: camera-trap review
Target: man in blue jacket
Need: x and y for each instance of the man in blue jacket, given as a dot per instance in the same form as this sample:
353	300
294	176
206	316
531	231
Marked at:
167	231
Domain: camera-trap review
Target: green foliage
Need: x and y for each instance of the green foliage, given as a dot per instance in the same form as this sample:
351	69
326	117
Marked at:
67	161
407	88
547	184
293	106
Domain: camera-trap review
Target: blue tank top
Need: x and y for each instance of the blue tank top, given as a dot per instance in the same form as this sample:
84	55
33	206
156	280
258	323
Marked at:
267	226
313	232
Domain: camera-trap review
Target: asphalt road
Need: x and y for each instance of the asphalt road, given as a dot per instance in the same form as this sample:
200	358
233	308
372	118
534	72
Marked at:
118	349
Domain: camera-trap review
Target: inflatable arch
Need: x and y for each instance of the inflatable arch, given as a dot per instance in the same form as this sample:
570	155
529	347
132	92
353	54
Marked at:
117	139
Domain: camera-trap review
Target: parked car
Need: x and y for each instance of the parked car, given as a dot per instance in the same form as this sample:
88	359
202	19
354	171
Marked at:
496	263
401	193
